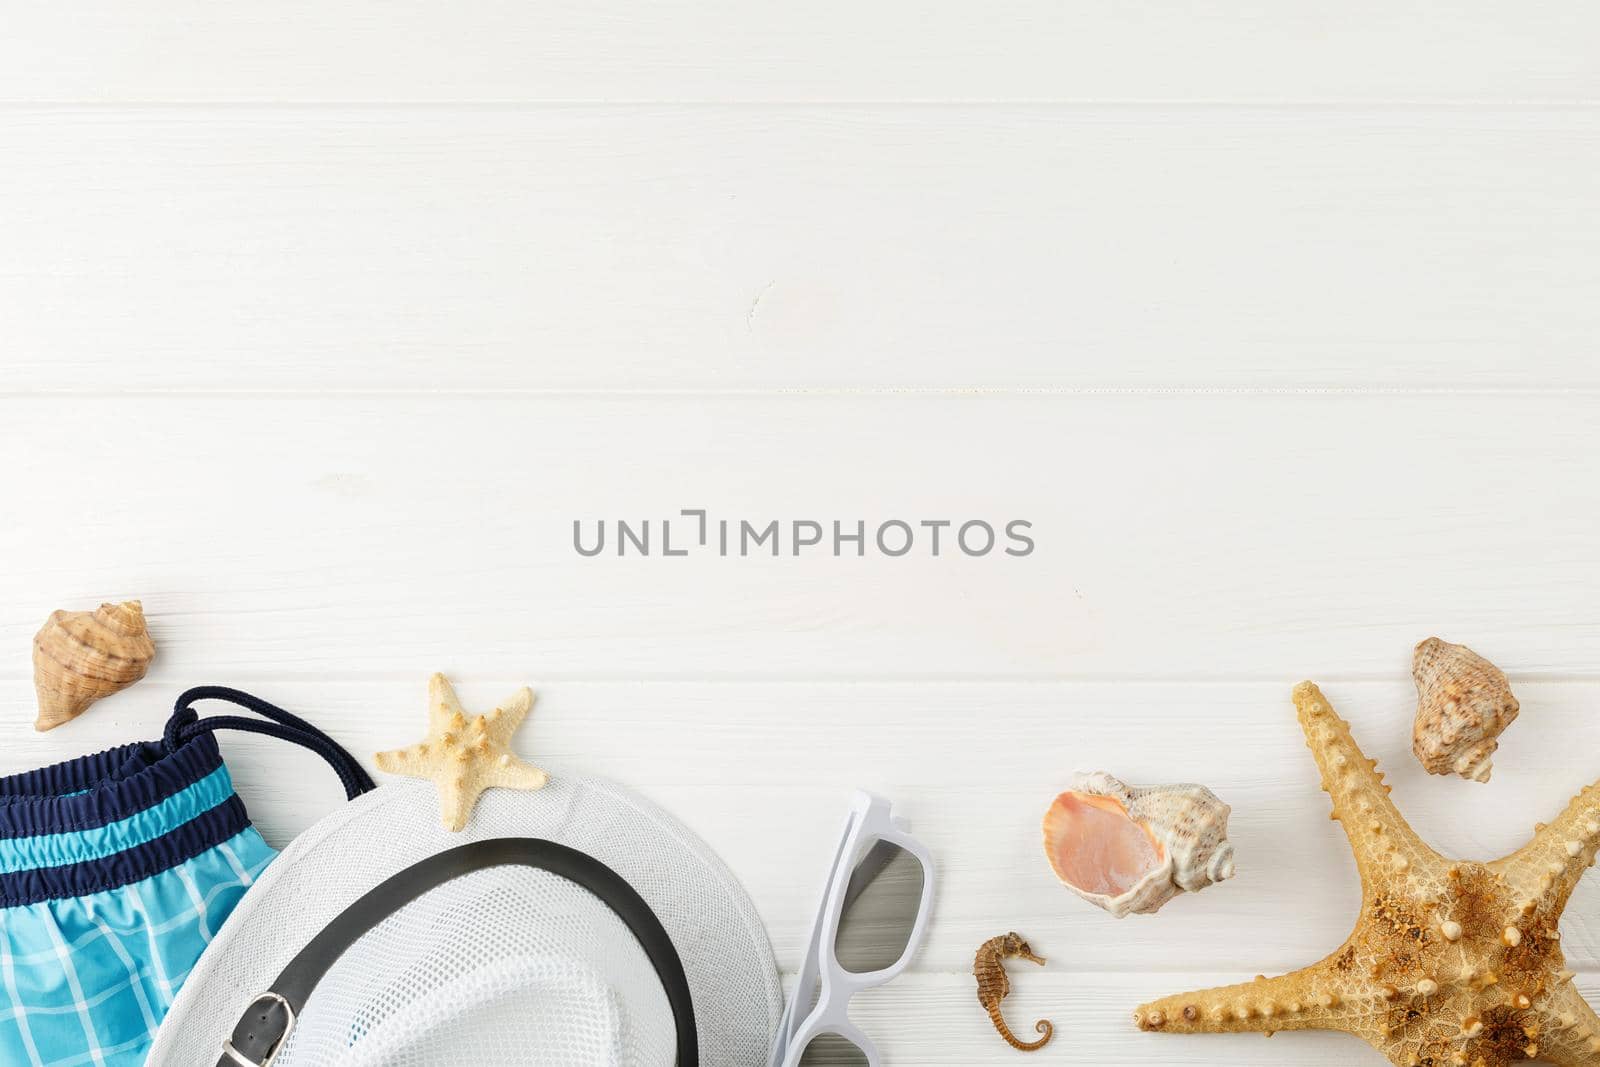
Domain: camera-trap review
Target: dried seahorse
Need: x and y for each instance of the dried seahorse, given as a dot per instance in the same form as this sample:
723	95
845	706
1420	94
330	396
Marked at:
994	986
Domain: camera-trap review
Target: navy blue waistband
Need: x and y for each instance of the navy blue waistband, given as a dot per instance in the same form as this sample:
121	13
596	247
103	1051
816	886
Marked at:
92	791
206	831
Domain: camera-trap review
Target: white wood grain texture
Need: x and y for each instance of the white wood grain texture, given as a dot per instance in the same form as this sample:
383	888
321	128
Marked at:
699	199
764	772
1214	536
720	248
826	50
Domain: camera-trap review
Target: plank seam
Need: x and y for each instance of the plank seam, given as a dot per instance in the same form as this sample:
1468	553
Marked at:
886	680
824	391
1379	105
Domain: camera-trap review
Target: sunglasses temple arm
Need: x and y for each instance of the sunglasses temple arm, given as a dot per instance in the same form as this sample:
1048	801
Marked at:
866	872
780	1044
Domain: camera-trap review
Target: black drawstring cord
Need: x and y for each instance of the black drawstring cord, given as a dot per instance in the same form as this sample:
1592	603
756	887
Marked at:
186	724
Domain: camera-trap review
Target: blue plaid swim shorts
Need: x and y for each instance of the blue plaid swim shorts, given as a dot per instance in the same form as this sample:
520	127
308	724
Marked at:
115	871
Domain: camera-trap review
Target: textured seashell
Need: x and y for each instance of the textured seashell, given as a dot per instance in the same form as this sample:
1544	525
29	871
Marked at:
82	656
1131	850
1463	704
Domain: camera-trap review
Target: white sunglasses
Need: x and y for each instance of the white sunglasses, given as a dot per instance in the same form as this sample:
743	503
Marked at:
873	843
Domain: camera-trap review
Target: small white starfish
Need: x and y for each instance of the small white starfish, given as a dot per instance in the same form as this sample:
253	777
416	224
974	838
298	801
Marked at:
465	755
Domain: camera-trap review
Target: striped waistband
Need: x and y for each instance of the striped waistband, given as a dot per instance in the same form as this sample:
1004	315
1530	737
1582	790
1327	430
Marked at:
116	817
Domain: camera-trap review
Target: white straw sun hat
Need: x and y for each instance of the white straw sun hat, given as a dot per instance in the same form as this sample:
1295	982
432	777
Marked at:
503	966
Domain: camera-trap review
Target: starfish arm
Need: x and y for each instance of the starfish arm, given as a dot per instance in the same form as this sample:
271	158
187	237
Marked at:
512	773
411	761
1545	871
1384	844
444	708
1307	999
503	720
457	797
1569	1031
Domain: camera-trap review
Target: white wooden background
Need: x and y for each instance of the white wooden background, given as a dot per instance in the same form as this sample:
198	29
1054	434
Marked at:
321	321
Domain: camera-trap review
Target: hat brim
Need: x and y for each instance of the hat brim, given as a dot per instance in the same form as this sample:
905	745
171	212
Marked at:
714	926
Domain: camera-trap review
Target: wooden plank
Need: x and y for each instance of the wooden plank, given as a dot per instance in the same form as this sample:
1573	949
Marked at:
827	50
754	248
764	772
1175	536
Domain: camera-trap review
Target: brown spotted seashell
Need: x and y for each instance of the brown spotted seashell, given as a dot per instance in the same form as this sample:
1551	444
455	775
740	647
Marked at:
1463	704
82	656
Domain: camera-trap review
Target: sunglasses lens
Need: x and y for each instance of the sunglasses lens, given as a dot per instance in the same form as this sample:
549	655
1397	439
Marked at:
880	912
831	1050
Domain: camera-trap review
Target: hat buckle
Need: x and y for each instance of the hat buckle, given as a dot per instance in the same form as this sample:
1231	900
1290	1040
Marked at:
233	1055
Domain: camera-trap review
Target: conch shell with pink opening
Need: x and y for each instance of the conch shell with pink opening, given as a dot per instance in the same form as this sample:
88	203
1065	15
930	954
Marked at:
1131	850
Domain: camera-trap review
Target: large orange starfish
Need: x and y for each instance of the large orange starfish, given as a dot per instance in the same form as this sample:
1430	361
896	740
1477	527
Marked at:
1452	964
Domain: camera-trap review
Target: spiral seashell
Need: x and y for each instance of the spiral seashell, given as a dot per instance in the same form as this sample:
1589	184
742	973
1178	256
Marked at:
1464	703
81	656
1130	850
